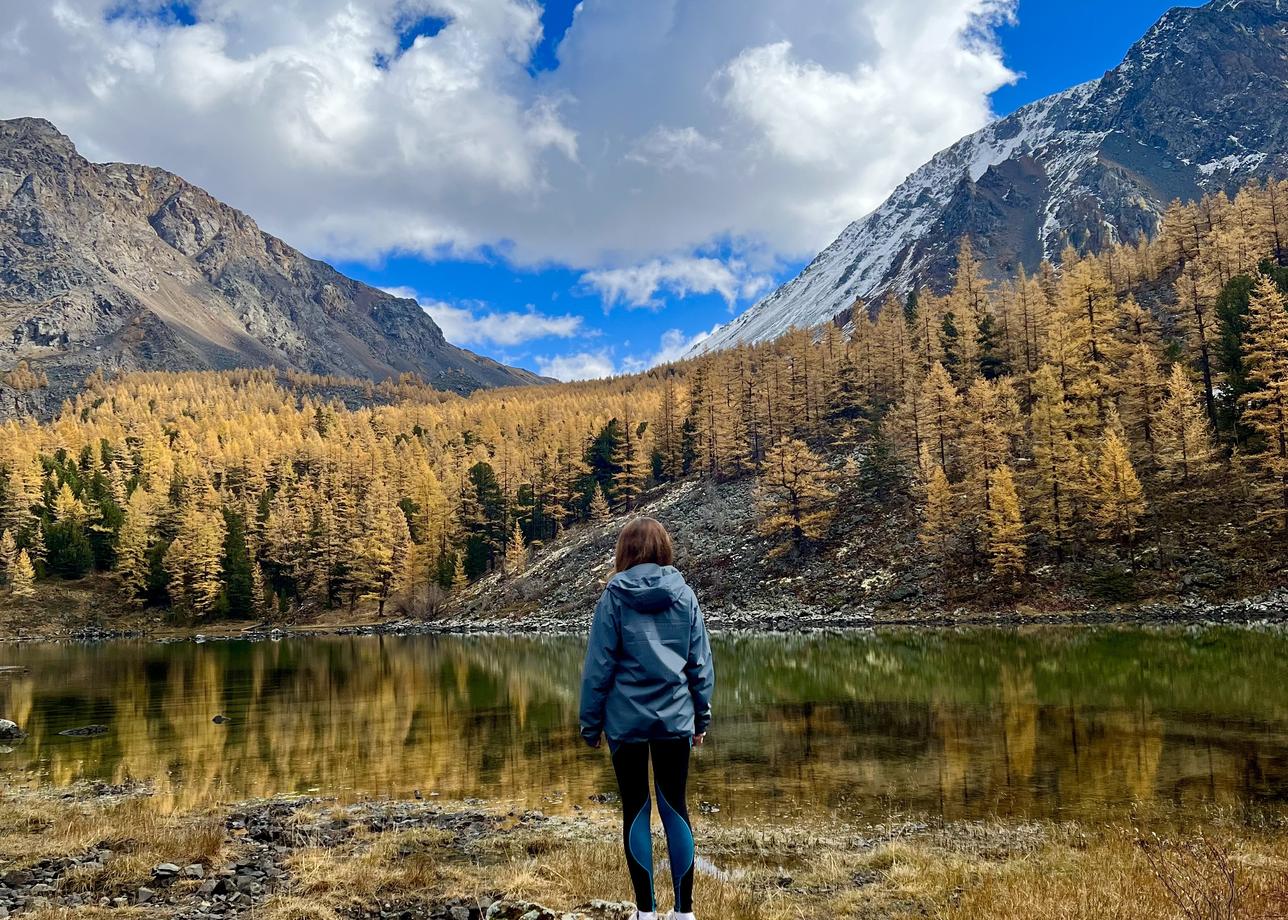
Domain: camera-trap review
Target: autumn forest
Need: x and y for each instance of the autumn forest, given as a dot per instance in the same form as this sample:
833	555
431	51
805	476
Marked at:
1092	412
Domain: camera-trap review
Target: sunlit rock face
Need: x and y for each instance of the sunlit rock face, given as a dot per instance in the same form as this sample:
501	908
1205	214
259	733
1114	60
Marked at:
124	267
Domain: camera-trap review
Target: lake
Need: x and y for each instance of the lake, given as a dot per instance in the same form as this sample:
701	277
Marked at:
1072	723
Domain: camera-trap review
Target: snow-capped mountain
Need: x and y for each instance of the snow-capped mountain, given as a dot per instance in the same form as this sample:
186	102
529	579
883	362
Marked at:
1199	103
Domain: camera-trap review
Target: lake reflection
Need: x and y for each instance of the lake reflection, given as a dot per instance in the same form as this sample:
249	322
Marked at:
967	724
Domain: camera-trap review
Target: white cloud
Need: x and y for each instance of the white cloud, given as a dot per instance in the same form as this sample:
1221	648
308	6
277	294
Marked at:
668	130
587	365
638	285
673	346
584	365
675	148
482	326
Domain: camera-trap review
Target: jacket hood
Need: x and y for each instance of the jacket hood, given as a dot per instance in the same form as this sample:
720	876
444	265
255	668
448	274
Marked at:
648	588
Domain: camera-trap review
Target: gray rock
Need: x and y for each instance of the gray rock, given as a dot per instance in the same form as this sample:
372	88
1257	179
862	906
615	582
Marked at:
144	896
9	731
17	878
85	731
90	251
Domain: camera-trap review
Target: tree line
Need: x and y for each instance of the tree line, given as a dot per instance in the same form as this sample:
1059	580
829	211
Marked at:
1094	409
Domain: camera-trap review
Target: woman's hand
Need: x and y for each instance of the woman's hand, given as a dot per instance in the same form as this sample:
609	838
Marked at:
592	742
698	739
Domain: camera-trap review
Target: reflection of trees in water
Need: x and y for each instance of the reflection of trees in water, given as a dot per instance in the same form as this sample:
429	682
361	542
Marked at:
378	715
972	723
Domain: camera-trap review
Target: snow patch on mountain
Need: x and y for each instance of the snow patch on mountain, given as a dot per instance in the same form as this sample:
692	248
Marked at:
1196	105
872	254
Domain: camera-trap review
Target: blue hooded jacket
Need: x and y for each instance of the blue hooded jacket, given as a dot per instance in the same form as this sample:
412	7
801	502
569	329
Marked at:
648	672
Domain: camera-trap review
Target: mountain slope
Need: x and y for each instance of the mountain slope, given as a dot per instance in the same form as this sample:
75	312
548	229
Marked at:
1199	103
125	267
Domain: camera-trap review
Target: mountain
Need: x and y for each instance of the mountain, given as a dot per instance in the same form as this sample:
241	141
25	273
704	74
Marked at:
1200	103
124	267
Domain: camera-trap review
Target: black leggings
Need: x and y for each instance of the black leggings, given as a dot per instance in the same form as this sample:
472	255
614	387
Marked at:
670	776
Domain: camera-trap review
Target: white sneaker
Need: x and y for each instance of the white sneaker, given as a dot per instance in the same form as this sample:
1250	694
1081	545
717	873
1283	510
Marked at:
674	915
640	915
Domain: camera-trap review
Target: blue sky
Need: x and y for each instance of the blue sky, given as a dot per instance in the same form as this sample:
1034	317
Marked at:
580	189
1052	45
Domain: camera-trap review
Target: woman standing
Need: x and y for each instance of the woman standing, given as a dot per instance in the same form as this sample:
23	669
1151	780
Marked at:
646	686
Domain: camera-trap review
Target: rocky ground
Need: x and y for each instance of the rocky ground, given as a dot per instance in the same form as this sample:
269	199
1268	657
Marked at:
117	851
871	572
255	866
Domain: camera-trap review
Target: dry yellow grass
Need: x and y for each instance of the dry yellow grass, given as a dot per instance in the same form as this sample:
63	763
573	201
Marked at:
979	871
136	830
1212	875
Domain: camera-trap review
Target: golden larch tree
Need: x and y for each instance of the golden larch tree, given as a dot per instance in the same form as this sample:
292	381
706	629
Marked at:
22	579
1117	498
1265	409
1186	452
516	553
599	510
1056	464
8	555
1006	539
133	543
795	498
938	516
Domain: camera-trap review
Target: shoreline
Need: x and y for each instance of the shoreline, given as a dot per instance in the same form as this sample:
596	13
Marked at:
1268	610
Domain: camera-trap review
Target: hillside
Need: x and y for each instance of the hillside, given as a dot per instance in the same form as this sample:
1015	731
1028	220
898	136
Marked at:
117	267
1195	106
1108	433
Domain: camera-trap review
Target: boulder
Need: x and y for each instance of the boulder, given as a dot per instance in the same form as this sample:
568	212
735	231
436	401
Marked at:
9	731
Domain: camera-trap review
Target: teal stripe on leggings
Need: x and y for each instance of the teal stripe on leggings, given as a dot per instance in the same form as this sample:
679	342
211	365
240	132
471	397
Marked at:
640	842
679	841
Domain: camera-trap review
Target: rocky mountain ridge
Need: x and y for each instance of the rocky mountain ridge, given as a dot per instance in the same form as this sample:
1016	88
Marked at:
121	267
1196	105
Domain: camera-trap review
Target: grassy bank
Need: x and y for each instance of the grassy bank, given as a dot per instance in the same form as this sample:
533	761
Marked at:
99	851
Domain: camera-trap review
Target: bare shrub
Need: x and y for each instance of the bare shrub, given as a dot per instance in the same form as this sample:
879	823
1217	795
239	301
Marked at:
423	602
1199	876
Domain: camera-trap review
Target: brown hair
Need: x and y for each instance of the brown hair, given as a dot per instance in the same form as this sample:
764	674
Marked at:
643	540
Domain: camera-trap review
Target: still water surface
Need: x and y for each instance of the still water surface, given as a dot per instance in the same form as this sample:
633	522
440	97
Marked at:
1049	723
